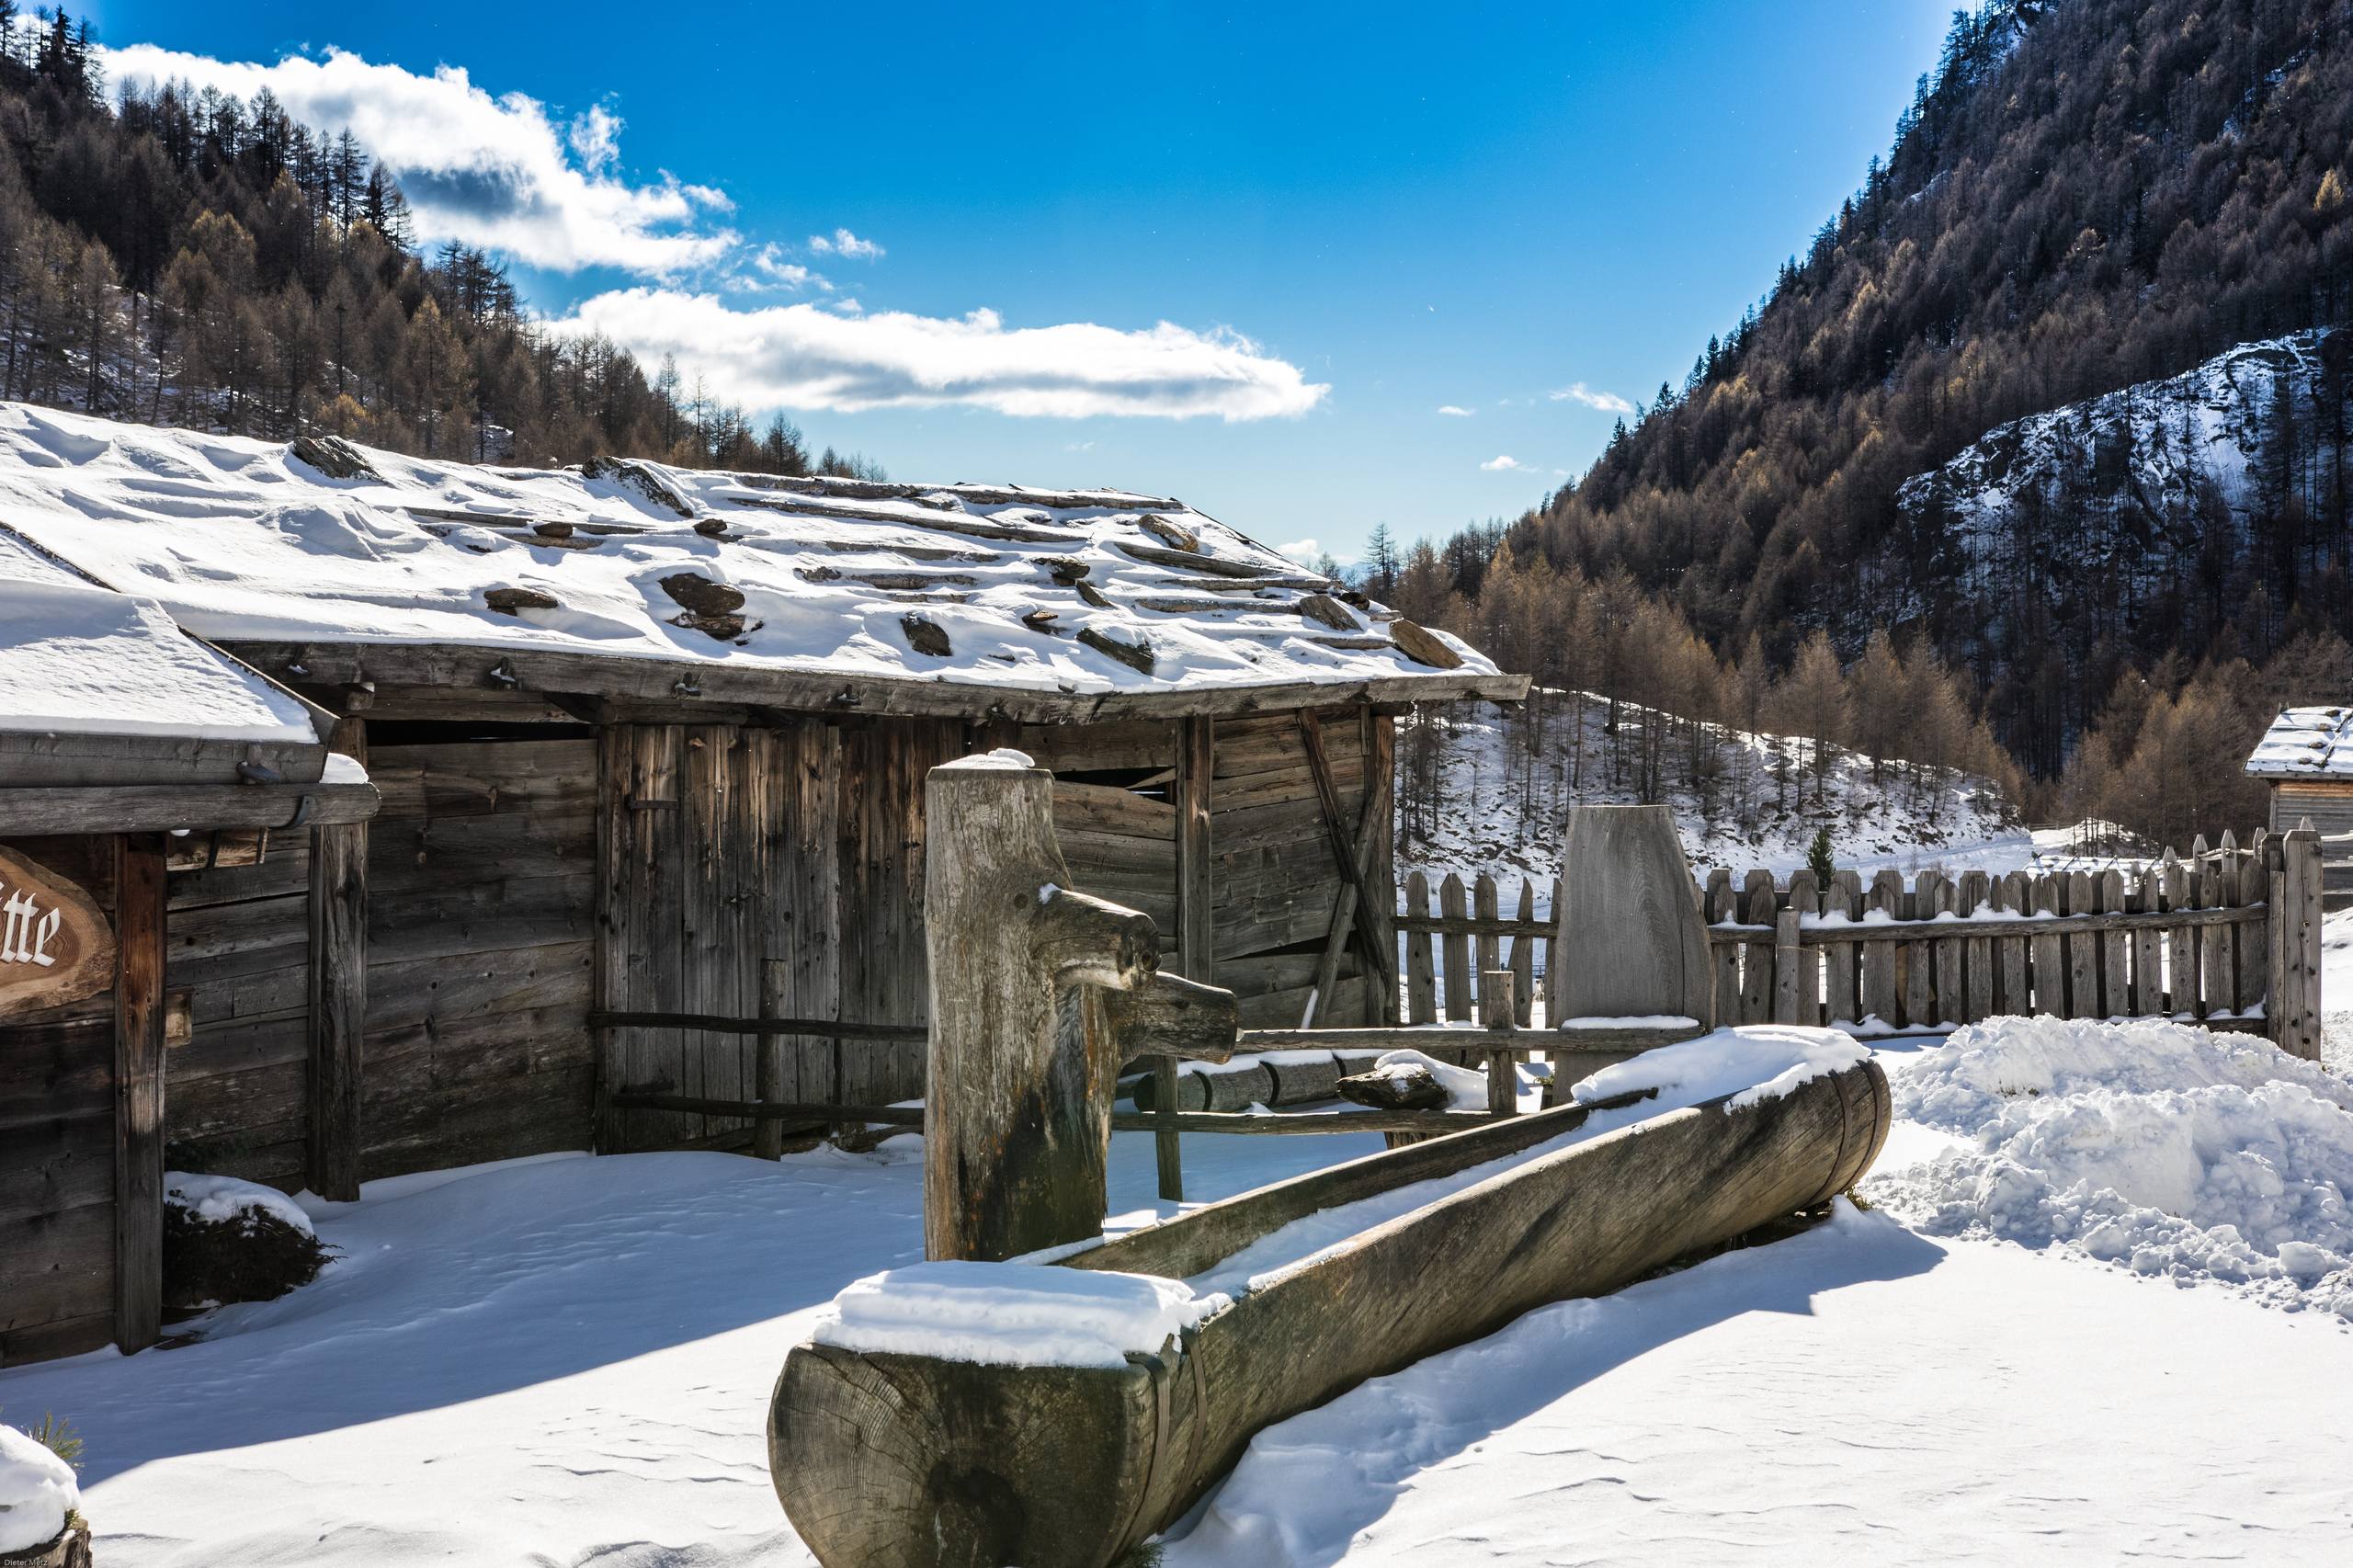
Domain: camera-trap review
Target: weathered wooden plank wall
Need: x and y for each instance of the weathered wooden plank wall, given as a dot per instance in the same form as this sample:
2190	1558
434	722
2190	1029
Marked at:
479	879
1273	879
57	1150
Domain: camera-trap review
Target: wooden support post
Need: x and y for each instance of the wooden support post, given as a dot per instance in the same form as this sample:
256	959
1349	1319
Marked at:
1017	1103
1196	922
2293	1002
1496	1012
1789	969
339	990
138	1009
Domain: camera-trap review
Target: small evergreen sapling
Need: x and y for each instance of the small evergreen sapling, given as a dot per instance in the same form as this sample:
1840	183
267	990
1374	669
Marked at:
1817	857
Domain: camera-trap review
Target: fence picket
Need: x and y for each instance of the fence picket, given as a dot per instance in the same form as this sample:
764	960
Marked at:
1947	946
2219	889
2083	950
1552	955
2015	896
1879	958
1805	984
2115	990
1456	947
1723	905
2046	955
2255	938
2148	993
2181	943
1920	969
1523	959
1845	897
1977	1000
1486	902
1758	907
1421	986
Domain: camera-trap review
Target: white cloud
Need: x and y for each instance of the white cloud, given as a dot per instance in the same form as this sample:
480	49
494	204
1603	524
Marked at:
768	268
1609	402
805	356
1506	463
843	244
495	171
595	137
1300	550
1457	411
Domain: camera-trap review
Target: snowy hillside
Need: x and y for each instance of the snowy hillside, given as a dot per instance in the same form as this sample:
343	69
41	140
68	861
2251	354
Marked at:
2116	495
1499	811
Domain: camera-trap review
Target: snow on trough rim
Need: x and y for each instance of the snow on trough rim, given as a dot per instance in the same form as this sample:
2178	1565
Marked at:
2170	1151
1004	1313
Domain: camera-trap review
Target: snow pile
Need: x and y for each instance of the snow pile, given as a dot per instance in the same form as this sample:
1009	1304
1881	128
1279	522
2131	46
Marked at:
2154	1145
1751	1062
37	1490
216	1199
1012	1314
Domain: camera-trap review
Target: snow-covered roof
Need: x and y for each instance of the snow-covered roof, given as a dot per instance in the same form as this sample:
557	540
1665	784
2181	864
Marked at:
2306	743
1059	594
77	659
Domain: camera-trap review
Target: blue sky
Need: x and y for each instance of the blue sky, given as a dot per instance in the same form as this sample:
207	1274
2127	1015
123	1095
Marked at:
1351	217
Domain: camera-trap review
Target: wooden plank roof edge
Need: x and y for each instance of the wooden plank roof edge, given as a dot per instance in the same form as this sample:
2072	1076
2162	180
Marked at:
161	808
321	665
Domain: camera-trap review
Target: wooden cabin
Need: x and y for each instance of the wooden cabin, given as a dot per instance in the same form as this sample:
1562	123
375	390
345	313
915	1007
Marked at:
130	755
2306	759
650	744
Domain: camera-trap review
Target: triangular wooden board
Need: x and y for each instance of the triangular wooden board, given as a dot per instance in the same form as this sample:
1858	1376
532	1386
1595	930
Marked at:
1632	942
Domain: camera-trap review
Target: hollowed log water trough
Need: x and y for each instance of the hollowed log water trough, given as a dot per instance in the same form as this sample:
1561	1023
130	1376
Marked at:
887	1460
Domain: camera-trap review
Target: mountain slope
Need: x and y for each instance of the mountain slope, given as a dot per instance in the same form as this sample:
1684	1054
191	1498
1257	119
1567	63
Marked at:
2084	196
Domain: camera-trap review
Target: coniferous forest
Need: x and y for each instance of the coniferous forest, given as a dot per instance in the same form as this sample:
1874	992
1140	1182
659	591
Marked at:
2084	195
188	258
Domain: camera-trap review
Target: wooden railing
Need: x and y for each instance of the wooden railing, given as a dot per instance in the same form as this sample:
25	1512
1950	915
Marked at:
2227	936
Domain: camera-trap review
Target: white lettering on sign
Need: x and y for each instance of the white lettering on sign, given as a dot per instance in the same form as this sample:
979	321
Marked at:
29	929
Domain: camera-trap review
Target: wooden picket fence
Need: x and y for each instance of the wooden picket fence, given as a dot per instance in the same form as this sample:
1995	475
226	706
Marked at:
2227	936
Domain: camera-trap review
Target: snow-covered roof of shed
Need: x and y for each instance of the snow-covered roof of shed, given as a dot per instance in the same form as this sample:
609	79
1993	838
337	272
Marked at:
2306	743
77	659
1042	592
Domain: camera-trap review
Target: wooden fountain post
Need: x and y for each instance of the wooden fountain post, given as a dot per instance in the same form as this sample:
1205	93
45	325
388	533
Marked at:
1037	992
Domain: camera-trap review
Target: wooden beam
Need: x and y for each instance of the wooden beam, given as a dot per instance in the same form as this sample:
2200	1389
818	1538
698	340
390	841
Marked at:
528	668
1372	931
1555	1044
1243	1122
140	1006
722	1023
339	990
162	808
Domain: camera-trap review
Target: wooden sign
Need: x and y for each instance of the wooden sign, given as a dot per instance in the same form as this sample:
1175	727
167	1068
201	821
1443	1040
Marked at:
55	945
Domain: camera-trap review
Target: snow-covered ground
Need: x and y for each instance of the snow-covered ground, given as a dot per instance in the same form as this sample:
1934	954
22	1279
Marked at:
567	1360
1490	820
